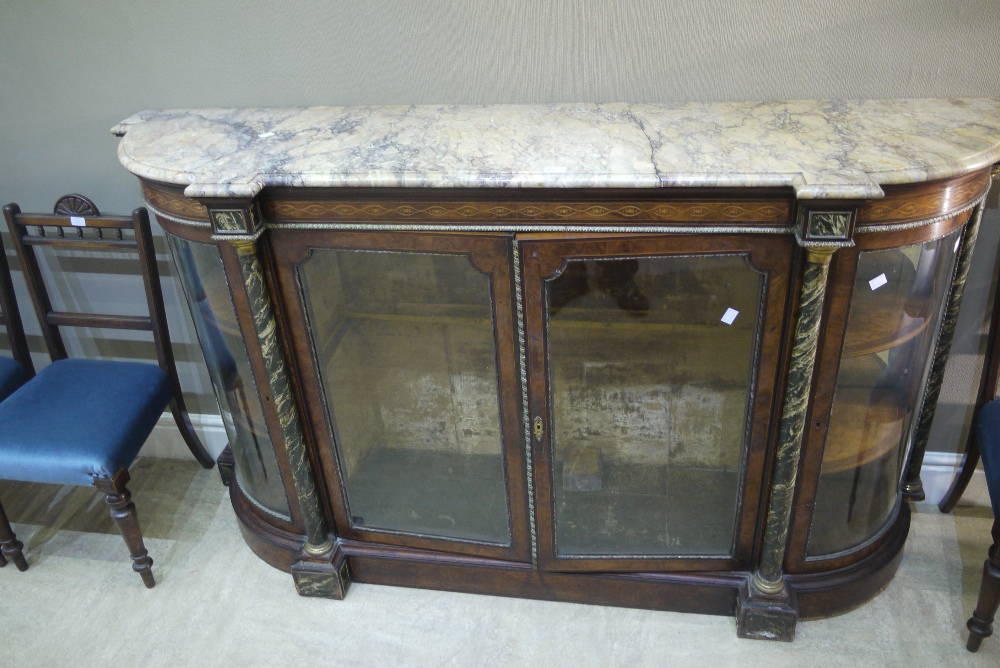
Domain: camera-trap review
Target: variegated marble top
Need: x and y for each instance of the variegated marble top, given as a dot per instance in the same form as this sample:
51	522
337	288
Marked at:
823	149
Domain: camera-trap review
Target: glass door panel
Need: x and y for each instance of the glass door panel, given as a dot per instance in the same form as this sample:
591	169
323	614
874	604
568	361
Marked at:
404	347
891	326
651	366
203	280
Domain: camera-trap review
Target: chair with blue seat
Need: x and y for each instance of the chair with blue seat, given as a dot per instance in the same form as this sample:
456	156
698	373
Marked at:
17	368
988	436
83	421
14	372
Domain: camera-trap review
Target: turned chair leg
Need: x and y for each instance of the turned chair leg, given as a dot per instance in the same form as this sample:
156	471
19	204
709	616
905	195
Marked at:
10	546
981	623
119	499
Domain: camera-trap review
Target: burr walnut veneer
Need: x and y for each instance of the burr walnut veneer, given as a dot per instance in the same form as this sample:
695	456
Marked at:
678	357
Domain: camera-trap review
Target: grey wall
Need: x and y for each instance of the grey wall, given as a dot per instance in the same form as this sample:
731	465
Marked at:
70	70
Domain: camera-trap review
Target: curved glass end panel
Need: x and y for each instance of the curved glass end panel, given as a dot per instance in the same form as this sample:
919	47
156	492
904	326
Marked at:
651	379
203	279
404	346
895	311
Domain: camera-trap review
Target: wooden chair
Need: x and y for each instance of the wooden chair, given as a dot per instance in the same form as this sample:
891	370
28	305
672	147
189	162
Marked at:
14	372
83	421
988	437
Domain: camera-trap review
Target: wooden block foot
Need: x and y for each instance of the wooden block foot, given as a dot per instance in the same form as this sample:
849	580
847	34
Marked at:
764	617
328	576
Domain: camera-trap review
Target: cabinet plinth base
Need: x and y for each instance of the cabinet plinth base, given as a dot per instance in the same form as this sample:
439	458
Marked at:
715	593
765	617
328	576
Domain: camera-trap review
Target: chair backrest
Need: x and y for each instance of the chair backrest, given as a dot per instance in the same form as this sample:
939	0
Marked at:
10	317
76	224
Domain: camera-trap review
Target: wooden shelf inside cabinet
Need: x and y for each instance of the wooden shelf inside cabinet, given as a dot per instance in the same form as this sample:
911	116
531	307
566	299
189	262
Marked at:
866	423
877	322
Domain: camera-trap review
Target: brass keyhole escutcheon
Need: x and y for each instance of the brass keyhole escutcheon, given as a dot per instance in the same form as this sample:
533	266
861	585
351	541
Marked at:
539	429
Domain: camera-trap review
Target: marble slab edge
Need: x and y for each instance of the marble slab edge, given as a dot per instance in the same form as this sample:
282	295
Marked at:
821	149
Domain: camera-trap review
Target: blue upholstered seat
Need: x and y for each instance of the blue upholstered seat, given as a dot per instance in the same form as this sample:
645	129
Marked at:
988	435
12	376
66	425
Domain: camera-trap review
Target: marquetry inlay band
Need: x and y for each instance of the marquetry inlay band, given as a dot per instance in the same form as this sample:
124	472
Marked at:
896	211
174	204
903	208
762	212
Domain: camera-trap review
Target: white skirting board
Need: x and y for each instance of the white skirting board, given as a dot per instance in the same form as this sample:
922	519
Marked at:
937	472
165	441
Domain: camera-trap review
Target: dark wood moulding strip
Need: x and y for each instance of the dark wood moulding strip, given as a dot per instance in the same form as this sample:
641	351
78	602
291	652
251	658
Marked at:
761	207
819	595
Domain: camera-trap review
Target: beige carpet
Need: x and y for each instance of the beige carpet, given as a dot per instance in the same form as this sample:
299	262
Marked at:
216	604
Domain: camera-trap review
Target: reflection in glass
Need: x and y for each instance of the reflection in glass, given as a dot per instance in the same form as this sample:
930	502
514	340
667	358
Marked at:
202	276
405	349
895	310
650	378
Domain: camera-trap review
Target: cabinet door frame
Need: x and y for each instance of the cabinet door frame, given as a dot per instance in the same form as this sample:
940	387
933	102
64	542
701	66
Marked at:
490	254
770	255
829	356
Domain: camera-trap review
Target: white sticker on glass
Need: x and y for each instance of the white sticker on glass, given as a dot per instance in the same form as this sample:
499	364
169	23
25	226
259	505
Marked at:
878	281
76	221
729	316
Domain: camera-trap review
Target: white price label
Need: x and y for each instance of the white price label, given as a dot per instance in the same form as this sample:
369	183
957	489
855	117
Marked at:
729	316
878	281
76	221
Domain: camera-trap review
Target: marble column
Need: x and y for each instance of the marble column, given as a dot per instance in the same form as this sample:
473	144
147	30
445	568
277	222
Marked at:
766	609
768	577
265	326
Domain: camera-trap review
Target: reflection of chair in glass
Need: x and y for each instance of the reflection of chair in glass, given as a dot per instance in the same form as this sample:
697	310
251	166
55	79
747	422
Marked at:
82	421
988	436
615	278
222	368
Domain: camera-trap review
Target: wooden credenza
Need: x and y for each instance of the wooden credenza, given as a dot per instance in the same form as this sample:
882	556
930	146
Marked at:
671	357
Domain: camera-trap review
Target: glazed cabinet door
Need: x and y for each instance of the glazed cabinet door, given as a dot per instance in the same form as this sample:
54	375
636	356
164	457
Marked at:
877	353
651	363
405	346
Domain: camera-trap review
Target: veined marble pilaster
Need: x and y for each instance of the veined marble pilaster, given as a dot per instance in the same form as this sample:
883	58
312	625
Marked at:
913	487
768	577
265	326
